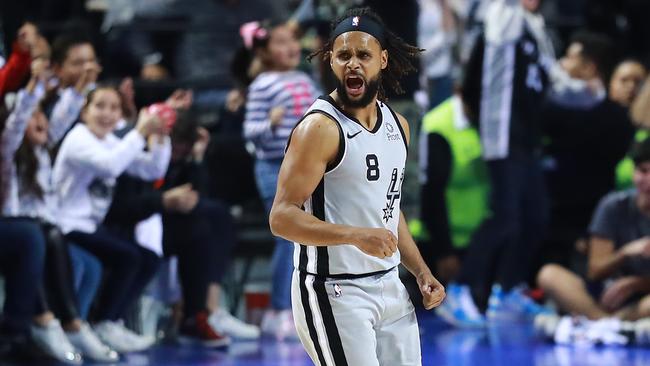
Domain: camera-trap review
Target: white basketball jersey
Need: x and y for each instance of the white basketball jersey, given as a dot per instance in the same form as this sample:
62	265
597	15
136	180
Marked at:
362	188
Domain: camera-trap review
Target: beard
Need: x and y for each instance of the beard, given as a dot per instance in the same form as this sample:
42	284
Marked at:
372	86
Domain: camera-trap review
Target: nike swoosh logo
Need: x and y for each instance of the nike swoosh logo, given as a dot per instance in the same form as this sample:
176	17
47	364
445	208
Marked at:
352	136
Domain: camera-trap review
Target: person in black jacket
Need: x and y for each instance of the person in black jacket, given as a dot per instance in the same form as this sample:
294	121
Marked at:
196	229
583	151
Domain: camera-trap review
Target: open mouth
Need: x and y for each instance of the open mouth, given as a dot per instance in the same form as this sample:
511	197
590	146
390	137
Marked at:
354	85
41	128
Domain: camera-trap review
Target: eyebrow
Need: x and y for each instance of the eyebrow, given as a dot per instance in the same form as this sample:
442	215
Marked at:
357	50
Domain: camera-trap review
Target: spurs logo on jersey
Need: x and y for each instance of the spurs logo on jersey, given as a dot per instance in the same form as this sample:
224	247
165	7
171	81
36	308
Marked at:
361	188
394	192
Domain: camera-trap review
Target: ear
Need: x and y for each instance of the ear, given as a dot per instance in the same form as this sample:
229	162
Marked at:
329	53
384	59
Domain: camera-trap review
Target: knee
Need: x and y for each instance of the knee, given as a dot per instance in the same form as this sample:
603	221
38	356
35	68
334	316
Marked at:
33	242
129	259
644	307
55	240
93	267
549	275
149	261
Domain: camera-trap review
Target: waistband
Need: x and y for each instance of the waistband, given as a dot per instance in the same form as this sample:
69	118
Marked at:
350	276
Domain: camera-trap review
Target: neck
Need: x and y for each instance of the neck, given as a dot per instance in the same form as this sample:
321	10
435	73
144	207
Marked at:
366	115
643	203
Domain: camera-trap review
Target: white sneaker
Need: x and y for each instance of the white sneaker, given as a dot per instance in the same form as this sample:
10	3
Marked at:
121	339
52	340
280	325
225	323
641	329
581	331
87	342
546	324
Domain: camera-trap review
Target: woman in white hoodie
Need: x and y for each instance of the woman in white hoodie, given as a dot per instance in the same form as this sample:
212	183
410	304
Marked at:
89	161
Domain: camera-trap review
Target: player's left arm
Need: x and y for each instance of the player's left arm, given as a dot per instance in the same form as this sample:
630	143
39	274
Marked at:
432	291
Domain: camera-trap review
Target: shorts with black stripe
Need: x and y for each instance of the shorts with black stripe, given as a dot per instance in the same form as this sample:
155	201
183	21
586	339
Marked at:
367	321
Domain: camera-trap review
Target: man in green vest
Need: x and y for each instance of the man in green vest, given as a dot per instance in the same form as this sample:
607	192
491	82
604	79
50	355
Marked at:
454	198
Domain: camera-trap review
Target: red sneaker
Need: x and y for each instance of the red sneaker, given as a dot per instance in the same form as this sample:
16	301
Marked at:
197	331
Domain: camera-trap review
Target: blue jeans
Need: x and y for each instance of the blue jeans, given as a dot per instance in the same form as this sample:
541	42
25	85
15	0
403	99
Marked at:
22	258
266	175
130	268
87	275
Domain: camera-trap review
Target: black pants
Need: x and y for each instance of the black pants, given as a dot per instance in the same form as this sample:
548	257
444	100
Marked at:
22	256
202	241
501	249
129	269
57	293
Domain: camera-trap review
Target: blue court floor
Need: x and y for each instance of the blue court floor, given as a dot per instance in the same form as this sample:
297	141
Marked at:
512	345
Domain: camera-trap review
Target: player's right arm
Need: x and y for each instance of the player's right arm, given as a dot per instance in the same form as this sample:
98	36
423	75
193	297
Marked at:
314	143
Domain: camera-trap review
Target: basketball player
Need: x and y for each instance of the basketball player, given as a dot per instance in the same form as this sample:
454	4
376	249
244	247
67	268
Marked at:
338	199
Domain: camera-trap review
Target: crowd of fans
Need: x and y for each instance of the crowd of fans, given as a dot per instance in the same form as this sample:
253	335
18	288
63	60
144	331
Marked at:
532	203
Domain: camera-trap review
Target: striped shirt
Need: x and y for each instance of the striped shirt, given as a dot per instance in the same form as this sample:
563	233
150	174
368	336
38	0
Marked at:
292	90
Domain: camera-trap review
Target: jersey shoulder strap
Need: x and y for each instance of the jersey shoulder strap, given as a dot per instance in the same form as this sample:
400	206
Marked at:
322	106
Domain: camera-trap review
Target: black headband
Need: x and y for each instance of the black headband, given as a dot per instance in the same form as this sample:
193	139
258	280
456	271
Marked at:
361	24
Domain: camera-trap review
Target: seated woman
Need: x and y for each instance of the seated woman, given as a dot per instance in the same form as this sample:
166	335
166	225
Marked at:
89	161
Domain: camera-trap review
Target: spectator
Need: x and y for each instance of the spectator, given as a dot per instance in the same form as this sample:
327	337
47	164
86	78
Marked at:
89	161
616	283
73	58
437	35
16	70
454	184
509	73
196	229
72	54
203	264
33	196
277	98
640	114
585	147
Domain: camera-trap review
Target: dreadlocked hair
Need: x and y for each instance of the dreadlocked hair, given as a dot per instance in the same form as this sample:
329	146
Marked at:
400	53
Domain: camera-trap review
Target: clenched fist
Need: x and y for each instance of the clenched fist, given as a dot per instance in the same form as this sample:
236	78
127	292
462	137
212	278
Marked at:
380	243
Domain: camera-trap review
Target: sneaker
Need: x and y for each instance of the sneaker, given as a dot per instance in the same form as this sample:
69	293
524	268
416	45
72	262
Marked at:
224	323
513	305
580	331
52	340
199	331
641	331
279	325
118	337
545	325
459	309
87	342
